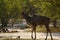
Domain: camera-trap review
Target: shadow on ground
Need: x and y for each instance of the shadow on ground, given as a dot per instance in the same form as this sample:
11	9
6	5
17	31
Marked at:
26	39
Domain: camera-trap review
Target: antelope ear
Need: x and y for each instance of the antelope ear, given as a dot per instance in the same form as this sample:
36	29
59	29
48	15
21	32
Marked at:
22	12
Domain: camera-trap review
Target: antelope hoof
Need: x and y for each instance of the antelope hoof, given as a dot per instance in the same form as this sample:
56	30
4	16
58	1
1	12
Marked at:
51	38
34	38
45	39
31	37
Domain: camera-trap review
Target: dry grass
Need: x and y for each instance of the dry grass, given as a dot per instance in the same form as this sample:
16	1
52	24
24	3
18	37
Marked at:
43	29
53	29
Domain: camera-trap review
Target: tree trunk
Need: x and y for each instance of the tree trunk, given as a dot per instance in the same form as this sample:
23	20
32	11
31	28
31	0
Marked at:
4	23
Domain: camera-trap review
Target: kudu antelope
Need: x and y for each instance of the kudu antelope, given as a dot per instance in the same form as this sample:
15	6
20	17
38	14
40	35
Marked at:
37	20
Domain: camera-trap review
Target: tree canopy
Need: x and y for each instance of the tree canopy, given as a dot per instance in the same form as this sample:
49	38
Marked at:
11	9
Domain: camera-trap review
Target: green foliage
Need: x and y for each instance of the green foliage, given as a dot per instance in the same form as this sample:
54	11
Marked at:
13	8
48	8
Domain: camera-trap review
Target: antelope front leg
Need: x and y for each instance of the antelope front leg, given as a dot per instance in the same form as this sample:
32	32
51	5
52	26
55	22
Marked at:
32	34
35	33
